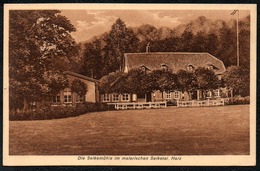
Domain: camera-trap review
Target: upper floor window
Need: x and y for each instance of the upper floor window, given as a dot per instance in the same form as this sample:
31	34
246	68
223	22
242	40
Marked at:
143	68
164	67
190	68
210	67
67	95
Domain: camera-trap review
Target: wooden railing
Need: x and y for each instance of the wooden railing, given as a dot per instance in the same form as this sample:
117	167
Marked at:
139	105
194	103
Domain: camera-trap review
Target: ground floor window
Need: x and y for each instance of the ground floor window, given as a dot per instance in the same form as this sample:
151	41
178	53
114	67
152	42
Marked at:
208	94
125	97
216	93
105	98
56	99
176	95
67	96
168	95
115	97
79	98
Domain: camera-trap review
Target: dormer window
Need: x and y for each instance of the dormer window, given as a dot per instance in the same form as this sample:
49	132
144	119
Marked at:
211	67
164	67
190	68
143	68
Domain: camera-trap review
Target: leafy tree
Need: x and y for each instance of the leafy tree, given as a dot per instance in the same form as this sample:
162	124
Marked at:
212	44
120	40
92	59
36	38
107	81
206	79
186	80
199	42
79	87
132	82
186	41
227	48
238	79
244	48
163	80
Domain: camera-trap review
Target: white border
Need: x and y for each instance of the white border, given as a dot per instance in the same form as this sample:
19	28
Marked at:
199	160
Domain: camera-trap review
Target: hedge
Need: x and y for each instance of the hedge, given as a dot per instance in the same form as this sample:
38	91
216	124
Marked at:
56	112
237	100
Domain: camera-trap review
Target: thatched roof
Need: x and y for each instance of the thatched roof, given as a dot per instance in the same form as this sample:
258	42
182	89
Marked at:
174	60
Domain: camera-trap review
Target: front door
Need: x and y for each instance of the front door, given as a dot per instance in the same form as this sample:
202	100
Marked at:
148	97
194	95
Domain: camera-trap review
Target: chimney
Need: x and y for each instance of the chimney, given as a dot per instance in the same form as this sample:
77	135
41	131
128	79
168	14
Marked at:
148	47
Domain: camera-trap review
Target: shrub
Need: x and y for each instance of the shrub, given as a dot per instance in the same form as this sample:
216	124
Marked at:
237	100
56	112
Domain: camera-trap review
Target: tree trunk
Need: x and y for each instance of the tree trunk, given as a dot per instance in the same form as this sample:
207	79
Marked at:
25	105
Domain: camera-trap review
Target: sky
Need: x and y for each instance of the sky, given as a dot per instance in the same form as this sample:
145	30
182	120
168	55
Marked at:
90	23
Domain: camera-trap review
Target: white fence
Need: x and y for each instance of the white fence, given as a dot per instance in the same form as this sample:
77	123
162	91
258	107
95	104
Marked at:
194	103
139	105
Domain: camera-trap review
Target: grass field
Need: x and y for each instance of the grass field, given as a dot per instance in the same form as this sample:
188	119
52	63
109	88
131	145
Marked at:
170	131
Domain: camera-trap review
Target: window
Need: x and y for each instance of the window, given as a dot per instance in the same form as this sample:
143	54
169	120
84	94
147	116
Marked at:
67	96
210	67
176	95
208	94
105	97
216	93
79	98
125	97
56	99
190	68
168	95
115	97
164	67
143	68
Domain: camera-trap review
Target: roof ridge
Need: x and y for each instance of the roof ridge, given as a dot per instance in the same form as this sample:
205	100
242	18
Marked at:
169	53
80	76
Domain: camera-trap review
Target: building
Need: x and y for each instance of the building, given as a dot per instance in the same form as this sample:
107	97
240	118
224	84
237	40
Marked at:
67	97
174	61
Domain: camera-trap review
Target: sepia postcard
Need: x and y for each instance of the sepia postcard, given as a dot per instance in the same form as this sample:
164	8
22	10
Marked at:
129	85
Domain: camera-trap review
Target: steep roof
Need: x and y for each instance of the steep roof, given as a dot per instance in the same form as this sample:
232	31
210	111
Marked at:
173	60
80	76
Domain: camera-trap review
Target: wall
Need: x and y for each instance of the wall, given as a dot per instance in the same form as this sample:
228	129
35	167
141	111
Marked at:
91	93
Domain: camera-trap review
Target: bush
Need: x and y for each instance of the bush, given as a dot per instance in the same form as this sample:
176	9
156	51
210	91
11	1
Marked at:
56	112
237	100
172	102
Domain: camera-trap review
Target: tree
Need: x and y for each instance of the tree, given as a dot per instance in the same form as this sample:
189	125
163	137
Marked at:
186	41
227	48
238	79
206	79
36	38
79	87
108	80
132	82
186	80
92	59
120	40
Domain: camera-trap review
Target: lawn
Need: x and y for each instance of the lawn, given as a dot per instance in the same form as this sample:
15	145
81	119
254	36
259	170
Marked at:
171	131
